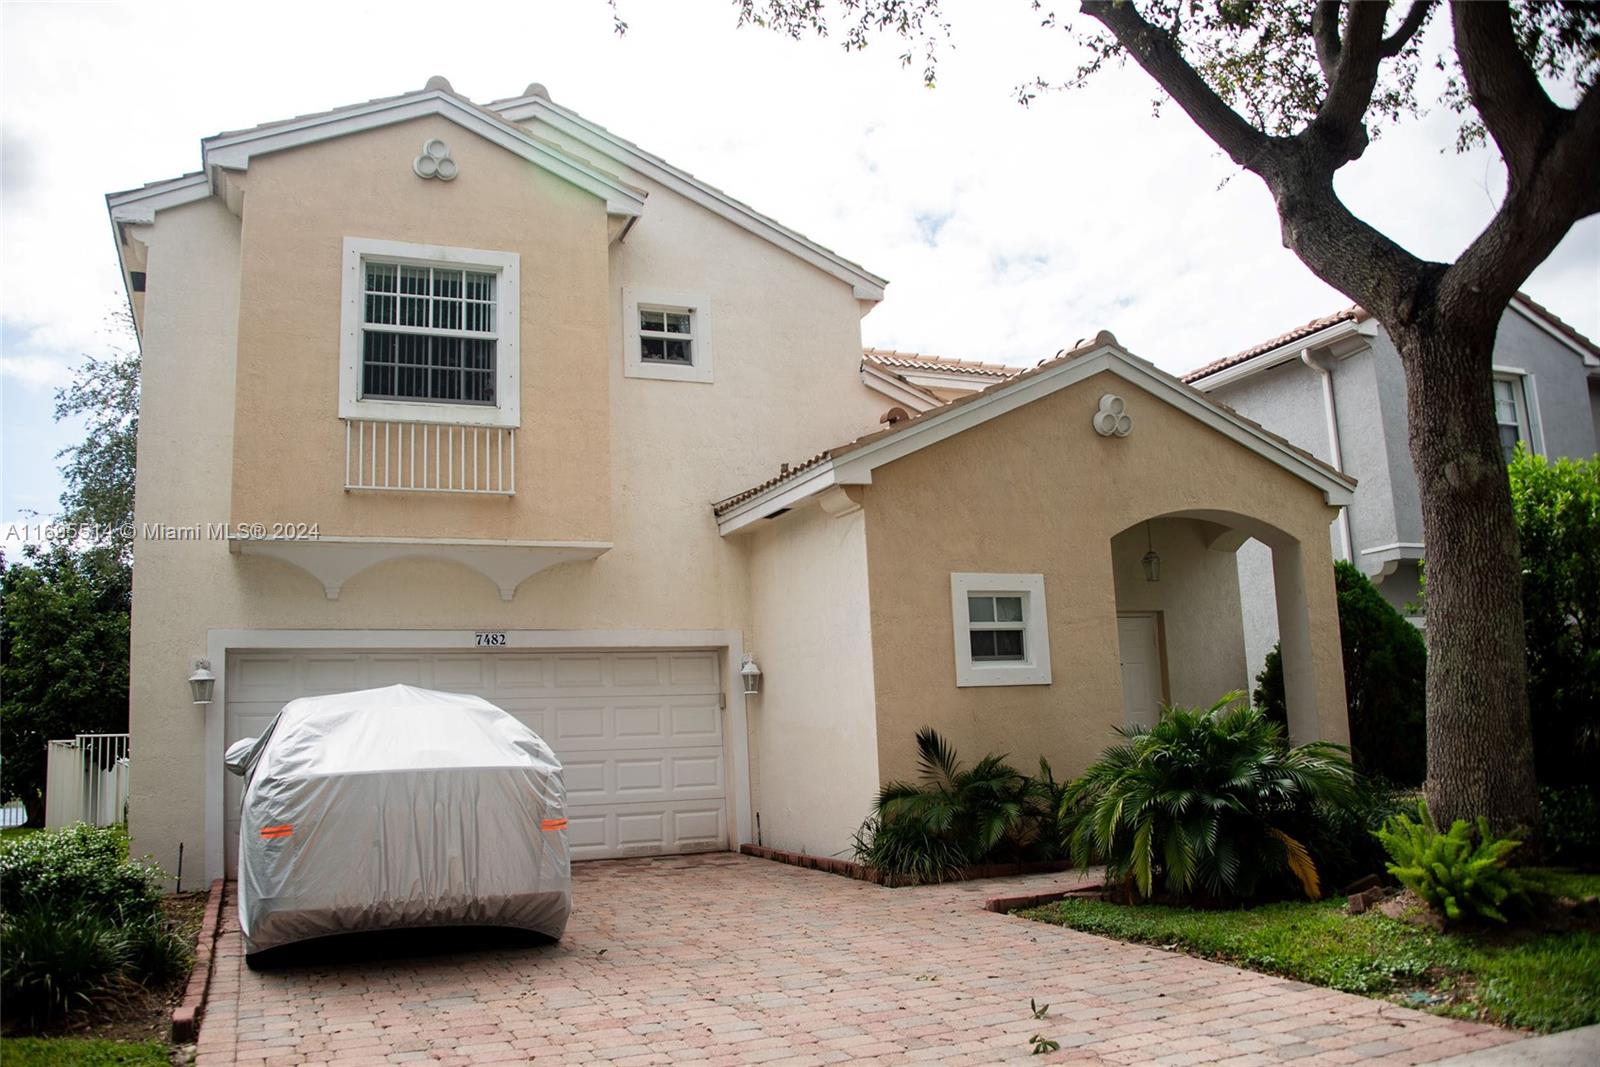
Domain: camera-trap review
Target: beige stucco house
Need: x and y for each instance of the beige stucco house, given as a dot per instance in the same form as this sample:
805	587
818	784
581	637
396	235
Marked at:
488	399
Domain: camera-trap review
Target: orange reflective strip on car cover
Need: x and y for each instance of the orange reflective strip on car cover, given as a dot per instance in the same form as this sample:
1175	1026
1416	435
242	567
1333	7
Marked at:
553	824
272	833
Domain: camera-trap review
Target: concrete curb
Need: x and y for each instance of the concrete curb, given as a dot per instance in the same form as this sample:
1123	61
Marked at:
191	1009
862	873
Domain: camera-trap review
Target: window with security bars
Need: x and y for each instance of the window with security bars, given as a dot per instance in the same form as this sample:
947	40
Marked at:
666	335
996	627
428	333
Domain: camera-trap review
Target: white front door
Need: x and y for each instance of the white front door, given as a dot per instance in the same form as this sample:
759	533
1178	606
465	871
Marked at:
639	734
1139	641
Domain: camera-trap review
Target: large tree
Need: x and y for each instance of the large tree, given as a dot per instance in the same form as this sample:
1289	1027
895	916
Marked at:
1292	92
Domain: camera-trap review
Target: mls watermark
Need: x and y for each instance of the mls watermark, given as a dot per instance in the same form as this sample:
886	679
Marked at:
70	533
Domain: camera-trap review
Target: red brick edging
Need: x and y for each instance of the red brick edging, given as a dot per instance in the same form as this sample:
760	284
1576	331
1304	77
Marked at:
862	873
192	1008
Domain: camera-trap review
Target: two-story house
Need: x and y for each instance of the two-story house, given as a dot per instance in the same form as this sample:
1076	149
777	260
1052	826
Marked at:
1334	387
489	399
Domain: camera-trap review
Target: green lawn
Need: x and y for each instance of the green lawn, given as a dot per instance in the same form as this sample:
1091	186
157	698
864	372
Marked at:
81	1052
1544	981
11	833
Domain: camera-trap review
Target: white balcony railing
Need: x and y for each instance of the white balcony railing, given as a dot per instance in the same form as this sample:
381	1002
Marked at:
427	457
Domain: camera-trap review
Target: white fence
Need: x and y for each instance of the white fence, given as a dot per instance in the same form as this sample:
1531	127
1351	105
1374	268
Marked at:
86	780
421	457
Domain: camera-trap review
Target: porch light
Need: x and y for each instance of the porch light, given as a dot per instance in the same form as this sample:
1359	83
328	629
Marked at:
751	675
202	682
1151	562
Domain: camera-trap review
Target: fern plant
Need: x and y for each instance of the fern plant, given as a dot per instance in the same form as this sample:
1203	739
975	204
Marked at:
1213	803
1462	871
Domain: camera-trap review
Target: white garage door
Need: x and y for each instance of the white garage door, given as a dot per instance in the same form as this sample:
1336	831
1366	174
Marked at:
639	734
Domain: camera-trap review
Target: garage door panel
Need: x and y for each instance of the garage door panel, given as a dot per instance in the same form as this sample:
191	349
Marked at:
639	734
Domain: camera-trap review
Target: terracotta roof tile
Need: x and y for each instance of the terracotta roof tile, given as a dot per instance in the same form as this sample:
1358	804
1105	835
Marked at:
1349	314
889	359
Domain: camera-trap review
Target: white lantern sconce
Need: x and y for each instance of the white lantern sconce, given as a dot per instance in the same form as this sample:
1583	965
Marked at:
750	675
202	683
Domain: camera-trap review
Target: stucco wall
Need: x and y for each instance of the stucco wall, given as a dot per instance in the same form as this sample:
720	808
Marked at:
643	468
1037	491
1198	598
815	751
289	448
185	463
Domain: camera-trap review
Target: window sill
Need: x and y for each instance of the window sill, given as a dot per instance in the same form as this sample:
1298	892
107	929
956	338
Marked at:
438	413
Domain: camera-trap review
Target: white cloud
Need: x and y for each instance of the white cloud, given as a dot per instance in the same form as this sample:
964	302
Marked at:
39	372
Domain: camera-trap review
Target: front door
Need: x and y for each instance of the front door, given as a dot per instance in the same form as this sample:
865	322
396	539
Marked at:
1138	637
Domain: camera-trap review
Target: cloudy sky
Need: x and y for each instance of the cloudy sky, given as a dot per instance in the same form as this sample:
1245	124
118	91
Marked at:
1006	233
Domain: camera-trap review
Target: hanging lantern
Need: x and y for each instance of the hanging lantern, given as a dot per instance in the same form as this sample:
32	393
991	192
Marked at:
1151	561
202	683
750	674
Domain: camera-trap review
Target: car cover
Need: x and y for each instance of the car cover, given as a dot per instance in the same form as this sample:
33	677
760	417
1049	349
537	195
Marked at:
398	807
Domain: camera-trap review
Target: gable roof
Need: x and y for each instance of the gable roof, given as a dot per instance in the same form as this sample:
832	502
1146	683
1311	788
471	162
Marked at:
1521	303
233	150
535	103
852	462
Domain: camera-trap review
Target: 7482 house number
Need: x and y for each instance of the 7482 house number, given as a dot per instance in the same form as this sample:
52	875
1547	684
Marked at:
490	639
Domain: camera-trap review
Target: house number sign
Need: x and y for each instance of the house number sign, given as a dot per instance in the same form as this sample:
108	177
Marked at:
489	638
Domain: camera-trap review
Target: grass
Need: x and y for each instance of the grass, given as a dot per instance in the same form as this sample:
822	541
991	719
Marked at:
1545	981
12	833
81	1052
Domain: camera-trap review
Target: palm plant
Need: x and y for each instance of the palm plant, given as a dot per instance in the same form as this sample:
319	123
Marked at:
1213	802
951	817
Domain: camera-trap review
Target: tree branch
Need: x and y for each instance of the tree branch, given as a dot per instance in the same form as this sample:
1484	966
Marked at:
1338	129
1325	32
1415	17
1515	109
1152	50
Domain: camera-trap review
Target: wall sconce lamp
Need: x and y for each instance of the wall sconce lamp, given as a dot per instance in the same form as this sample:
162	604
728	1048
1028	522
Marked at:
750	674
1151	562
202	683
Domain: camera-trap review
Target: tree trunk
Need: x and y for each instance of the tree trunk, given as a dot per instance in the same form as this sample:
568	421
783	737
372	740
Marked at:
1480	748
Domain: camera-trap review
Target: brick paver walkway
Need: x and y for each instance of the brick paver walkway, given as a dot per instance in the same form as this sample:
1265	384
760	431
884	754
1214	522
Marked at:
728	959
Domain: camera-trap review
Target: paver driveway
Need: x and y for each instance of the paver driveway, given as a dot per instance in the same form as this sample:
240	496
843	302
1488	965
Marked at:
728	959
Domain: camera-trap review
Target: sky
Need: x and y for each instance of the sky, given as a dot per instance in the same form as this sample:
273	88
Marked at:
1007	233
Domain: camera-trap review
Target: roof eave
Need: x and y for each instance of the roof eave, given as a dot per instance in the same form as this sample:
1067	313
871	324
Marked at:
1283	353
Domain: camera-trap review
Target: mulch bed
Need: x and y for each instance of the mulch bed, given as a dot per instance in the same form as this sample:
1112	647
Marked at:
862	873
137	1012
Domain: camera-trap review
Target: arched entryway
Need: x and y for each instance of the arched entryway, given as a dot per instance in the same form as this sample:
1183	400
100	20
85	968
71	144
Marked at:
1180	614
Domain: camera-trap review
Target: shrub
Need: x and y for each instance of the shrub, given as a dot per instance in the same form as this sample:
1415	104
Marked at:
1571	817
1385	681
81	867
1343	836
1461	872
79	918
1209	803
954	817
1557	505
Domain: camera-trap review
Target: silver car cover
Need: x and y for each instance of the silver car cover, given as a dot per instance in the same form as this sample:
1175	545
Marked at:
398	807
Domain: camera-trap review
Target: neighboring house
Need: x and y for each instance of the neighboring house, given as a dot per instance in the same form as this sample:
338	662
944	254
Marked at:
1335	388
444	394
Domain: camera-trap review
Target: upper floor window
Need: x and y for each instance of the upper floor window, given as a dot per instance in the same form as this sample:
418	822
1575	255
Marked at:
1000	629
666	335
1511	414
429	334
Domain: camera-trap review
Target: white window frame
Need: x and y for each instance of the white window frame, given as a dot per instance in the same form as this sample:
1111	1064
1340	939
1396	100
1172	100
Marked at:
1526	400
1034	667
506	411
698	305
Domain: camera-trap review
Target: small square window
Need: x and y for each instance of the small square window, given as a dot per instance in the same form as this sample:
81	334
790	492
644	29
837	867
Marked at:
1000	629
666	335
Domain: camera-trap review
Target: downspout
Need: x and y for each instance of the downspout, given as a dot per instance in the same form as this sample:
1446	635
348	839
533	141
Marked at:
1331	412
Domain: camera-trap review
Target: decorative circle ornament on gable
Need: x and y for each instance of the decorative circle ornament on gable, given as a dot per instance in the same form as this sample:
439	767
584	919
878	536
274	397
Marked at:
435	161
1112	419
